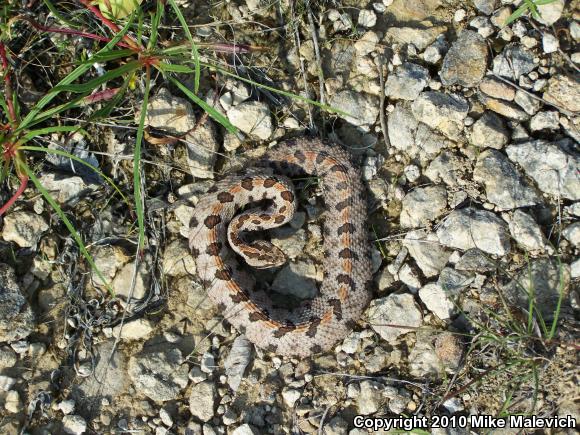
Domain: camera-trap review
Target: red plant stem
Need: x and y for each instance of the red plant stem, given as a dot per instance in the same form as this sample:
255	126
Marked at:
20	191
65	31
7	83
130	41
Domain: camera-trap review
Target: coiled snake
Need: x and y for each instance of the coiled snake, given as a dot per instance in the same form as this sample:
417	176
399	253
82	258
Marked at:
317	324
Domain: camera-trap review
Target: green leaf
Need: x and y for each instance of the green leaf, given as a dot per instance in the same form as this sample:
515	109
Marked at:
68	224
155	25
206	107
95	83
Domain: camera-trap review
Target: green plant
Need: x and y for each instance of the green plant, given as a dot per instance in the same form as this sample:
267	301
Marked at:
527	5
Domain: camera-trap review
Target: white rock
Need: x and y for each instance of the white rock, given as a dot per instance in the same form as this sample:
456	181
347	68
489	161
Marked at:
370	397
177	259
65	188
471	228
550	43
253	118
367	18
444	112
133	330
459	15
122	284
202	400
410	278
412	173
437	300
202	149
166	112
290	396
526	231
165	417
23	228
208	362
297	278
427	252
244	429
6	383
12	402
74	424
575	269
67	406
422	205
551	12
237	361
360	108
395	309
545	120
572	233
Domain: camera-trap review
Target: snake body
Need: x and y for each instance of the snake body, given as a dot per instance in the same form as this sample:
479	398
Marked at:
220	225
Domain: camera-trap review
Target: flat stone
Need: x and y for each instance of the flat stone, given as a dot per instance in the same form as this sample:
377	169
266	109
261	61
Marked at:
422	205
449	168
437	300
133	330
495	88
454	281
177	259
485	6
402	126
298	279
466	61
427	252
66	189
237	360
572	233
513	62
395	309
504	185
526	232
16	317
202	149
169	113
545	120
123	282
505	108
563	91
419	37
489	131
159	374
475	260
530	104
551	12
74	424
551	165
23	228
202	400
361	108
444	112
472	228
544	279
407	81
253	118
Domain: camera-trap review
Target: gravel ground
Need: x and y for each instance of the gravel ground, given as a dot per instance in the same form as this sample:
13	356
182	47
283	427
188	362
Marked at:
466	131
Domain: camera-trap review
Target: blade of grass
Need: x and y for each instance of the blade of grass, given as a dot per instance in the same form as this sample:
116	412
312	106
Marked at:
57	14
194	50
206	107
139	207
560	299
96	82
78	72
155	25
68	224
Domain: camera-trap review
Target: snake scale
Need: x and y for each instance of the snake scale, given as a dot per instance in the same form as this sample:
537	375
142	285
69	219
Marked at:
222	223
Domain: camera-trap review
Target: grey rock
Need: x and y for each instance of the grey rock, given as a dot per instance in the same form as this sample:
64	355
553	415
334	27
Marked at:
495	88
489	131
298	279
504	186
237	360
133	330
563	91
407	81
444	112
370	397
550	43
548	120
177	259
402	126
367	18
362	109
253	118
427	252
123	282
572	233
419	37
422	205
202	148
526	231
513	62
159	374
543	279
437	300
16	317
336	426
8	358
202	400
551	165
530	104
454	281
449	168
485	6
424	362
449	349
395	309
483	26
476	261
23	228
472	228
64	188
466	61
